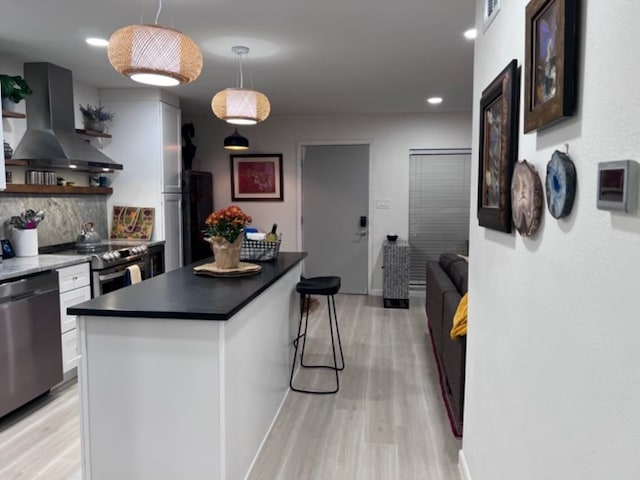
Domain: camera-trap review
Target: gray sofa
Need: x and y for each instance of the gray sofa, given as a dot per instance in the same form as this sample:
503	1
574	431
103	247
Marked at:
446	283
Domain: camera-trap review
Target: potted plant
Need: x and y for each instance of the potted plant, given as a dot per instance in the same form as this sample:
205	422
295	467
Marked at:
14	88
224	231
94	117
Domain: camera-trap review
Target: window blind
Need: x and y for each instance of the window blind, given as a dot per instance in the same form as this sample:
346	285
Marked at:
439	188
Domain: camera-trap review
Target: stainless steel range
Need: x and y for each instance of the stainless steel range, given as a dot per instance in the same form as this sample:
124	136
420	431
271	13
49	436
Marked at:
111	263
111	270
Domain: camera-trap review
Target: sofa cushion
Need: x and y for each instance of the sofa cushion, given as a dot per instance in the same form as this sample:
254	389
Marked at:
446	259
457	269
438	283
459	272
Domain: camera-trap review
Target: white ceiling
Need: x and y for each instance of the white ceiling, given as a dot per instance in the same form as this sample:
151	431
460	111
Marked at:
307	56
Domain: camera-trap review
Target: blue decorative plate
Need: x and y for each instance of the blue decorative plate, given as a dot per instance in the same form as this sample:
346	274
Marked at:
560	185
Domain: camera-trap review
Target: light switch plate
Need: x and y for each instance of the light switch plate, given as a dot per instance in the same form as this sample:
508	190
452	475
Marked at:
382	203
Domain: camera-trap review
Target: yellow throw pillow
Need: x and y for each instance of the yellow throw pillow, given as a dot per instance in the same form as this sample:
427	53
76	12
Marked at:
459	327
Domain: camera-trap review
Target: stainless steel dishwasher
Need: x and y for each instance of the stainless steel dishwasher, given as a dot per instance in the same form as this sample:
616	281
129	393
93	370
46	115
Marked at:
30	348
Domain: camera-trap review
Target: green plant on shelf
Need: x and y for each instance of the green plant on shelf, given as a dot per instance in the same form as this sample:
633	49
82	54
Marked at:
14	88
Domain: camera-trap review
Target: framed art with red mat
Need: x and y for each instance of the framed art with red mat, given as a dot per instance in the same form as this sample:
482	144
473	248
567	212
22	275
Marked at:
256	177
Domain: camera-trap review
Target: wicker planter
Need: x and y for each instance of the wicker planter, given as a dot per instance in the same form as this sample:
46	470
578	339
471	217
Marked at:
227	254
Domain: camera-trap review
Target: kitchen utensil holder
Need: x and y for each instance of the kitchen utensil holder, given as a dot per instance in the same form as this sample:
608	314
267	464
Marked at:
25	242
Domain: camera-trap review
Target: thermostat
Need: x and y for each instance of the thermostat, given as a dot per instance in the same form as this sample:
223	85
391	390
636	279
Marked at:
618	185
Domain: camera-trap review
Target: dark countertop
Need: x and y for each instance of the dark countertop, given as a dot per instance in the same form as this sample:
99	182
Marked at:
182	294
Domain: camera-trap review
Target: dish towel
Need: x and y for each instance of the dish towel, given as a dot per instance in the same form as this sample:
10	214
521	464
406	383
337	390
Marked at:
135	275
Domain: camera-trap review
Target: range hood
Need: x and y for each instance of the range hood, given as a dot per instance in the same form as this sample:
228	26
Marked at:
51	140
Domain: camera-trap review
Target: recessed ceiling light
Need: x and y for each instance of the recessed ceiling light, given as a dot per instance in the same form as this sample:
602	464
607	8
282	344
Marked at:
434	100
97	42
470	34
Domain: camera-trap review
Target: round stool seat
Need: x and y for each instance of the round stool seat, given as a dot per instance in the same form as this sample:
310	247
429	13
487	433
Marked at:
319	286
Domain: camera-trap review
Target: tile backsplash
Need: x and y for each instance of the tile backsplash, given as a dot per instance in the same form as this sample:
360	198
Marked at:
64	215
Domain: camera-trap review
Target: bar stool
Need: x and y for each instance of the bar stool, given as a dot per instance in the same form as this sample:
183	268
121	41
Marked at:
327	286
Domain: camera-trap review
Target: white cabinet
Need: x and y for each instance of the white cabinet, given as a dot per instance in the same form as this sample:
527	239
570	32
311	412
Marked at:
146	140
171	149
172	208
3	183
74	284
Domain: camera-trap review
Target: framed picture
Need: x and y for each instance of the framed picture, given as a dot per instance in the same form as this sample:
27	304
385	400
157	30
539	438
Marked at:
491	9
550	62
256	177
498	149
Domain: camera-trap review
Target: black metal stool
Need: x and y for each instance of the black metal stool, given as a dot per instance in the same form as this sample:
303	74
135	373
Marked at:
327	286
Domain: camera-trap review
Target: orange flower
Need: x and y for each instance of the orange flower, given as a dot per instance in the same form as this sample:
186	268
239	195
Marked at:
228	223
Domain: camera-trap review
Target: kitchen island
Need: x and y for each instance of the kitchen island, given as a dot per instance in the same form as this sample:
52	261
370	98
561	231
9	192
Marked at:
182	375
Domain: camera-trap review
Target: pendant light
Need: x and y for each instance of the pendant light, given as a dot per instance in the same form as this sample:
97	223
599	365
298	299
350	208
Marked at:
240	106
235	141
155	54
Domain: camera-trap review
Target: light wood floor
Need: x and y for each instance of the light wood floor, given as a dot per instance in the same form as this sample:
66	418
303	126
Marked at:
42	439
386	422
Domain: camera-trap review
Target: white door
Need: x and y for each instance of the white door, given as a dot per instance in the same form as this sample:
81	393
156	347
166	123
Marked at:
335	213
172	212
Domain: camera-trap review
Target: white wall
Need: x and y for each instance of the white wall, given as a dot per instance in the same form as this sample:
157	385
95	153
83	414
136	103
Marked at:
390	136
552	360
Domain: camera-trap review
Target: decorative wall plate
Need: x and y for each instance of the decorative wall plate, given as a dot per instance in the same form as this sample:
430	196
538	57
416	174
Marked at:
560	185
526	198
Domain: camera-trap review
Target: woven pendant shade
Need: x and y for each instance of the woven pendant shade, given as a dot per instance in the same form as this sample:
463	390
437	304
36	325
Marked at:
155	55
235	141
241	106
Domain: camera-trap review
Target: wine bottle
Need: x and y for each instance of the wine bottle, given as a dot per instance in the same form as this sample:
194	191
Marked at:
271	236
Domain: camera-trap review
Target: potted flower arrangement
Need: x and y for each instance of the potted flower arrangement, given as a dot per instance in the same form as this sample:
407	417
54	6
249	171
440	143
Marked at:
14	89
94	117
224	231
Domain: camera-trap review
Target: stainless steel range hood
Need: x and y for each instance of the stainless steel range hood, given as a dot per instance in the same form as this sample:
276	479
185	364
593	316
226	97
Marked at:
51	140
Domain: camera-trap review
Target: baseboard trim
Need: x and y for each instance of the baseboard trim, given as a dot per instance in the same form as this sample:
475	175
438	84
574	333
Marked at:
255	458
463	467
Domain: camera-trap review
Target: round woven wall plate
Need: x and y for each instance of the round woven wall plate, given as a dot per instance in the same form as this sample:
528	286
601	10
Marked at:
560	185
526	198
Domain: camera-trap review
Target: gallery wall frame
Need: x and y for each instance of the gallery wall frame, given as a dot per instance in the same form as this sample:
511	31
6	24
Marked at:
498	148
490	10
257	177
550	62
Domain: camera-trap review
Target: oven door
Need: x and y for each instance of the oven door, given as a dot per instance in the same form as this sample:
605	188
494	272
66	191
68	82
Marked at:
112	279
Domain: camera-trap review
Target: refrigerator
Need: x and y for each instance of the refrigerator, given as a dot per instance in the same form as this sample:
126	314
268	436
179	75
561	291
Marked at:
197	204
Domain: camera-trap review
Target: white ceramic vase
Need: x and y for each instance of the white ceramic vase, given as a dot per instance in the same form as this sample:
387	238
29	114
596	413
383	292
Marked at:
25	242
8	105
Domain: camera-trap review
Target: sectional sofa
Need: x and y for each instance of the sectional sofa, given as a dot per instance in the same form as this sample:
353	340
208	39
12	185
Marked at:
446	284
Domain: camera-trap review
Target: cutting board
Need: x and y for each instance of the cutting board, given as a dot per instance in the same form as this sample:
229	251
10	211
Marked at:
132	223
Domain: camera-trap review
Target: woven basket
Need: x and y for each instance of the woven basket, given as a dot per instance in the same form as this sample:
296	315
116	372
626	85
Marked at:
260	250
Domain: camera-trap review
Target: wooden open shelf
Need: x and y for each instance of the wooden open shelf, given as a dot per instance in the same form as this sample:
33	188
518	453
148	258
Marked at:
92	133
49	189
8	114
15	163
